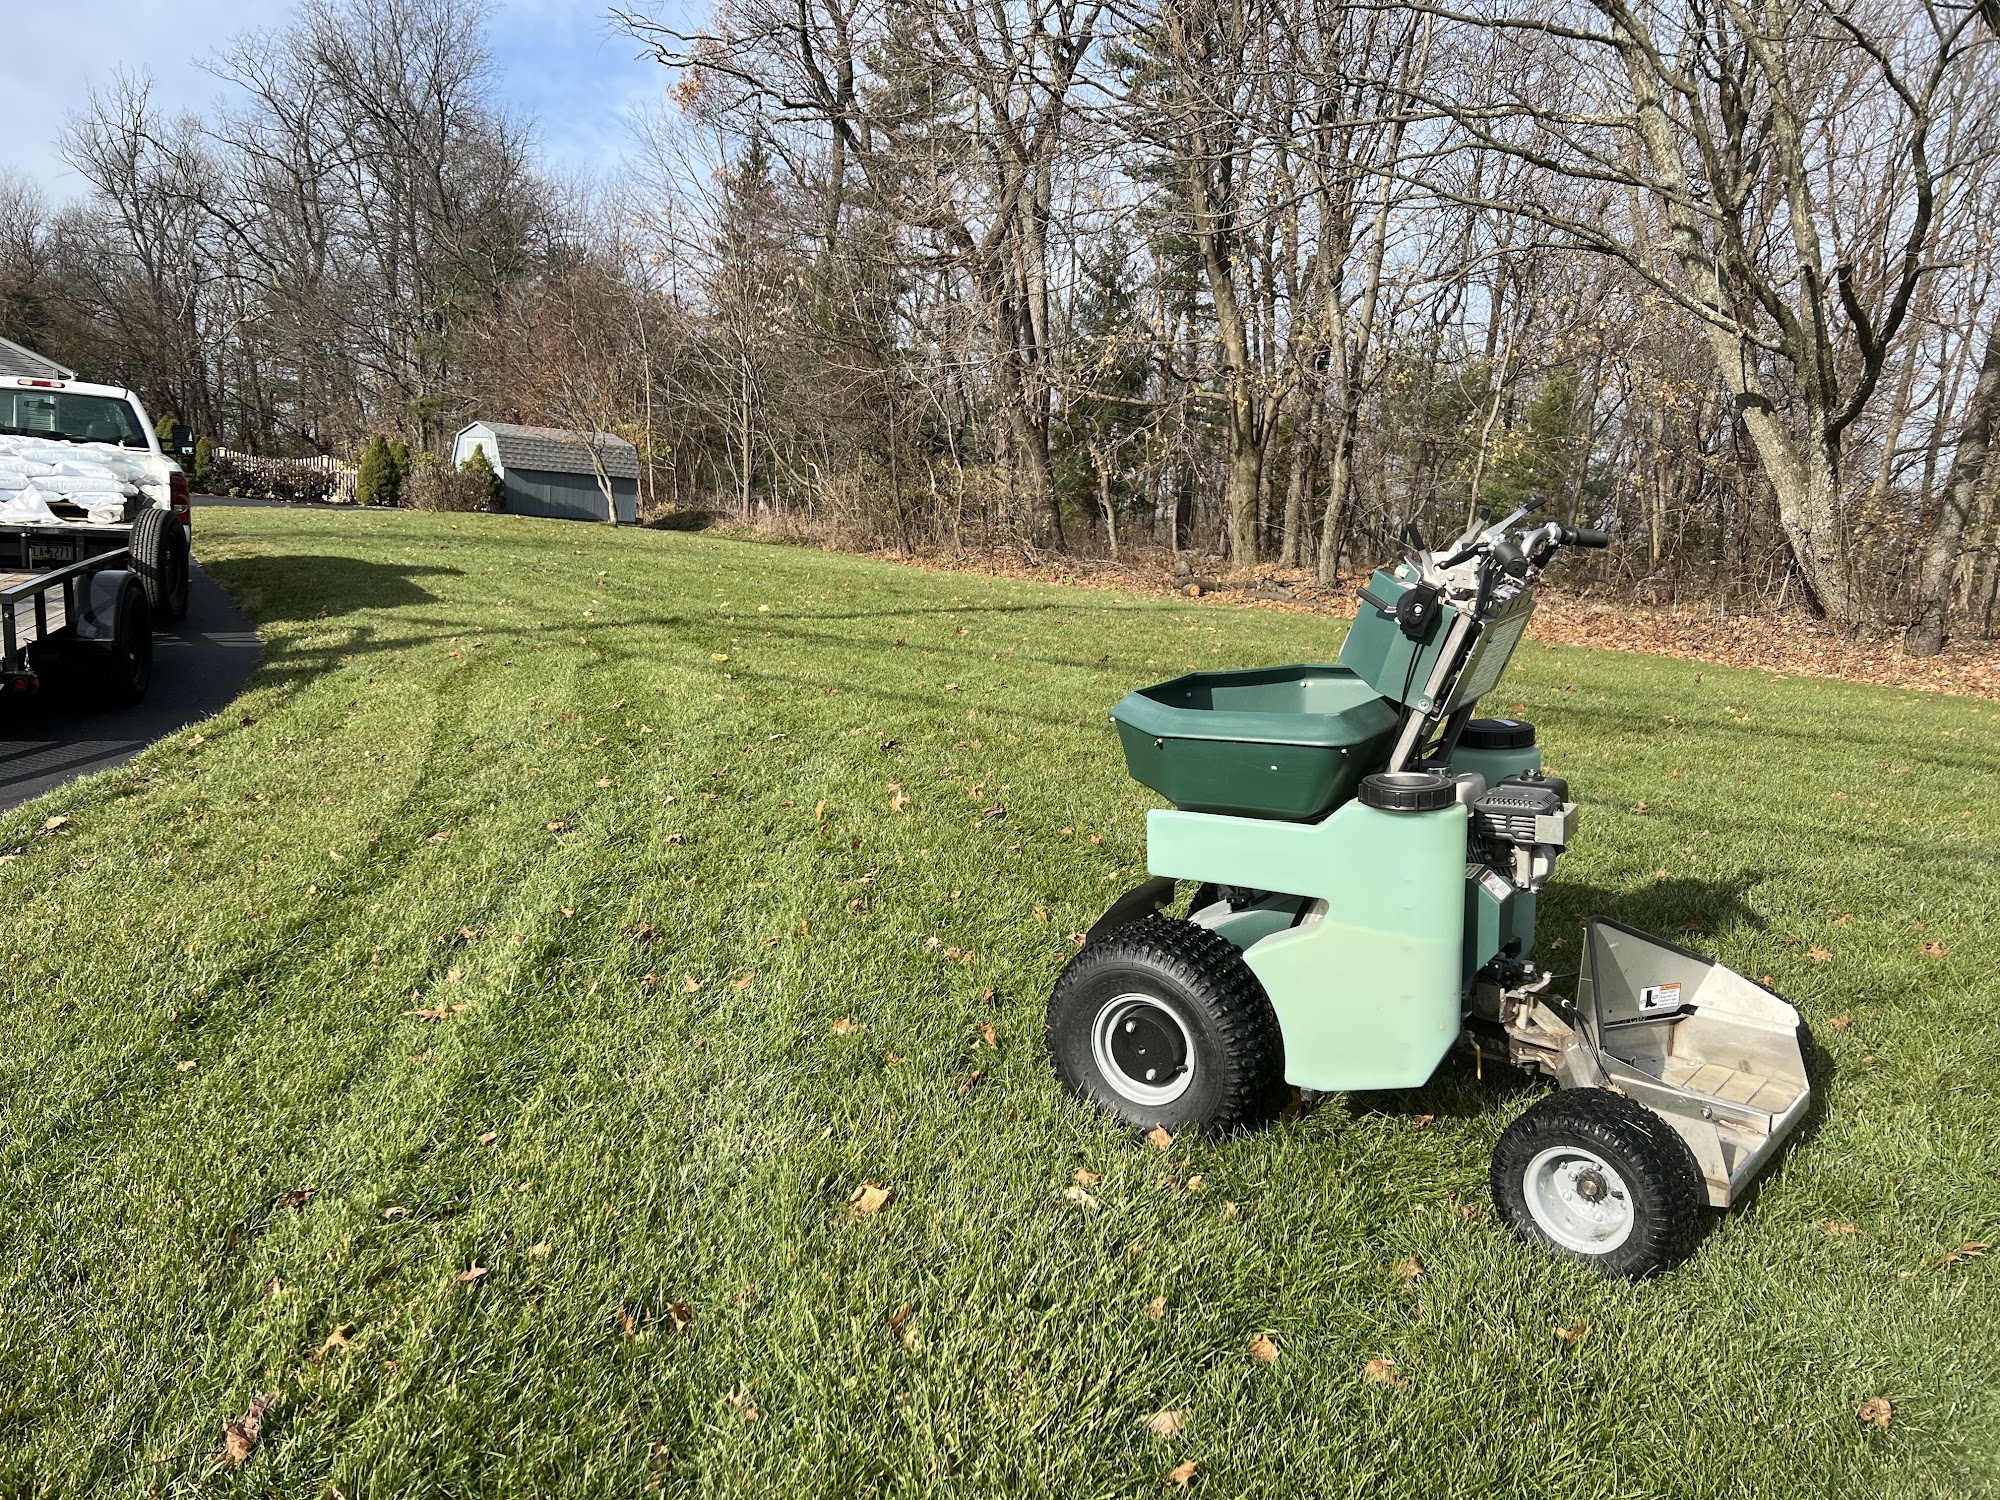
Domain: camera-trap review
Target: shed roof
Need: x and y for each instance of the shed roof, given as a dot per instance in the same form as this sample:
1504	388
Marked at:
16	359
558	450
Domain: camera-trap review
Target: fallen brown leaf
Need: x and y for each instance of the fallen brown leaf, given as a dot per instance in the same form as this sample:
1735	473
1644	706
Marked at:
1936	950
869	1198
1418	1122
1085	1178
1409	1270
1840	1023
845	1027
488	1137
1875	1412
1161	1138
1970	1250
338	1339
745	1407
1383	1372
690	985
471	1274
1573	1334
1837	1226
1157	1309
1262	1348
395	1211
1082	1199
541	1250
1818	954
988	1036
1181	1475
296	1199
239	1438
1164	1424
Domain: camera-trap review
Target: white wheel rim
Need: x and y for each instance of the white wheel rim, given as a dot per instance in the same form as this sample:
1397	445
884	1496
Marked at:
1116	1015
1578	1200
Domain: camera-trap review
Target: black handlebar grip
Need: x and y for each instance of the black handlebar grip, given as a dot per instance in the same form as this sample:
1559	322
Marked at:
1585	536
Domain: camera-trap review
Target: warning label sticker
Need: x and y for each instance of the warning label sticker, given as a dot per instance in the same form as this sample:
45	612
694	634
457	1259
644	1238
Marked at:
1660	997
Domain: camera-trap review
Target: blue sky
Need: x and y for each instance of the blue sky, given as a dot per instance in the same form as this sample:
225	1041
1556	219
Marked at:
558	61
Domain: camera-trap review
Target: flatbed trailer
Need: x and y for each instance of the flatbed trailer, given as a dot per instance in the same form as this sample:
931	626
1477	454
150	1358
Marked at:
86	620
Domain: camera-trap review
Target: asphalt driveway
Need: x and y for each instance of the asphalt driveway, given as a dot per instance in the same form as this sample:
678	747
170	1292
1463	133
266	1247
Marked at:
199	664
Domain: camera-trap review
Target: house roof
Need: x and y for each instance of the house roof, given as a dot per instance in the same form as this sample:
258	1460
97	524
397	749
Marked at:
18	360
557	450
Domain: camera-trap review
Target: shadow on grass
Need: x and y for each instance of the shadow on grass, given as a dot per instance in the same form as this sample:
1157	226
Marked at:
326	585
1679	909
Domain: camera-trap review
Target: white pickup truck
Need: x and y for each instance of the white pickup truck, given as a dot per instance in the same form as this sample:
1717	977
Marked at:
94	534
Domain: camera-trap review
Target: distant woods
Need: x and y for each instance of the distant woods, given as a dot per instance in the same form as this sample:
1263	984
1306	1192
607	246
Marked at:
1254	280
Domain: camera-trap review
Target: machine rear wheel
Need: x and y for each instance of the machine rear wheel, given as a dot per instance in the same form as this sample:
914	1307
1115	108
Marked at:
1162	1023
1595	1177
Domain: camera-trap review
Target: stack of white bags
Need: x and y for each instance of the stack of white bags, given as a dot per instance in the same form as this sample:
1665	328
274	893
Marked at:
97	477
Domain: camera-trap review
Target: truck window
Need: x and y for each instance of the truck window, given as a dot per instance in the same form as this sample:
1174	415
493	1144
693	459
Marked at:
72	416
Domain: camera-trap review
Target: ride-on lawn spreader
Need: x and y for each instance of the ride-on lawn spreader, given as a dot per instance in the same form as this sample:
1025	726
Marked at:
1367	857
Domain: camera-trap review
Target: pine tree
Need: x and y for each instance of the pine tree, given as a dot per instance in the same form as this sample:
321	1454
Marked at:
480	467
378	483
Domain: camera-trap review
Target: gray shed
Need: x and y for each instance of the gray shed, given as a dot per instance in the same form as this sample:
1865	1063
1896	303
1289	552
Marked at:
551	471
16	360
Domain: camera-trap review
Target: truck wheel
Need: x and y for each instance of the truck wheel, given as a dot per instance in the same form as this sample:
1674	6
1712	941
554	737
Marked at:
1162	1023
160	558
1597	1178
125	668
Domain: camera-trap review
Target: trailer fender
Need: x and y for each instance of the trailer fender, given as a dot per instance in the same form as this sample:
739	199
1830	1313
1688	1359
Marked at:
98	604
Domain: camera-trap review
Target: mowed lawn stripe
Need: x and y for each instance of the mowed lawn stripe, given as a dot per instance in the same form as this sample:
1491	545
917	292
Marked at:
863	808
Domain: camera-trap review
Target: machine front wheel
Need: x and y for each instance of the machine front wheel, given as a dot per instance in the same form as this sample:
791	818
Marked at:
1595	1177
1162	1023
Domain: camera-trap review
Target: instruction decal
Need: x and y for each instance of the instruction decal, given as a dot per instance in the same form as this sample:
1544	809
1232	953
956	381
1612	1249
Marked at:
1660	997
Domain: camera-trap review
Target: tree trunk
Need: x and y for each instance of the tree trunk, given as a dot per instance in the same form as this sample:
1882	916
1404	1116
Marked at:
1939	558
1305	469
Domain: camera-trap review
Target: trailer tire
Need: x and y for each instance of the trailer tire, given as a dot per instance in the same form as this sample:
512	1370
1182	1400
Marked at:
1592	1176
1160	996
160	558
125	666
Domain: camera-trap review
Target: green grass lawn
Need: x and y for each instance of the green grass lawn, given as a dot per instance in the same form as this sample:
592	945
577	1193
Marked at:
545	908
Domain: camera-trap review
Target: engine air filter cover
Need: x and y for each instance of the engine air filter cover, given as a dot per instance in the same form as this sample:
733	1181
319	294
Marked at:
1408	791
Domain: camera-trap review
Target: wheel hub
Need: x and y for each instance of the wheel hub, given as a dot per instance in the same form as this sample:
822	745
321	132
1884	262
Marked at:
1143	1049
1579	1200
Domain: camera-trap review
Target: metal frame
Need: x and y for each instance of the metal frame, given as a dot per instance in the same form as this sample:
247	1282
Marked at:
69	578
